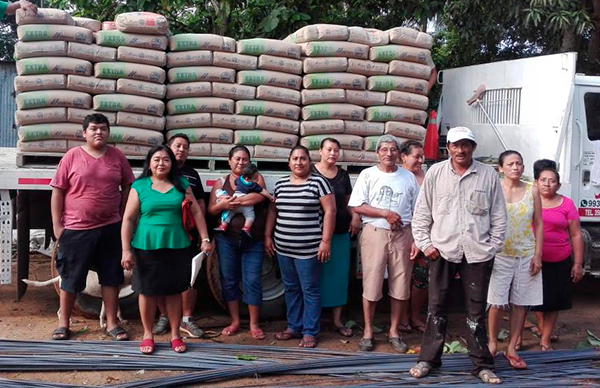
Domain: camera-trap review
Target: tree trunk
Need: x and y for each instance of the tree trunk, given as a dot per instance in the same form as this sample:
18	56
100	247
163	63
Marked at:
569	41
594	46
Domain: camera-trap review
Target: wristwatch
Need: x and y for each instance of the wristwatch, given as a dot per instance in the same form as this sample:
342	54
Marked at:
206	240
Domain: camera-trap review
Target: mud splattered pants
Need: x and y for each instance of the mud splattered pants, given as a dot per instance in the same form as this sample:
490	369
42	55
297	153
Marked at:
475	279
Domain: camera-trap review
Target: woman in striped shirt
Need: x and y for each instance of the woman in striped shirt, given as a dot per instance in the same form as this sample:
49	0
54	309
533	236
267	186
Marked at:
303	219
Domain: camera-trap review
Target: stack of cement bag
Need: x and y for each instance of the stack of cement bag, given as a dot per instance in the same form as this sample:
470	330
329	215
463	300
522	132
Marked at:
202	92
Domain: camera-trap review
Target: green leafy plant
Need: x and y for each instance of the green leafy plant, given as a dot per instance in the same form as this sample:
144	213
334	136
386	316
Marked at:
454	347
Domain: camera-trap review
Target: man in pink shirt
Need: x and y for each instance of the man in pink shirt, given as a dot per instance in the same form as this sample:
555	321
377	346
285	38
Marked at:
89	192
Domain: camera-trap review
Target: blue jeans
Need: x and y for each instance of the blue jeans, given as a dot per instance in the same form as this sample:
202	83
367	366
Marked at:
240	260
302	293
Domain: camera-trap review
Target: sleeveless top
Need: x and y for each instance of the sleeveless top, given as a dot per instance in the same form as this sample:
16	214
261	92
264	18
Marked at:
520	241
237	222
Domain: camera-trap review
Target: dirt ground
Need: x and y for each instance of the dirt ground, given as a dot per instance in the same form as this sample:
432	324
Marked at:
34	318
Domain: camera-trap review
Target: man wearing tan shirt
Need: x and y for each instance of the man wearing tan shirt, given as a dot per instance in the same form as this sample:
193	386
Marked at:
459	224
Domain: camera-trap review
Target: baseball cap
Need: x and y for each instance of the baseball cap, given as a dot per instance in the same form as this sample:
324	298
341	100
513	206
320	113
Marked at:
459	133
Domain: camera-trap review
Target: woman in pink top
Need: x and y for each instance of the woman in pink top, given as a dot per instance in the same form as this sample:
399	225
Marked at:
562	251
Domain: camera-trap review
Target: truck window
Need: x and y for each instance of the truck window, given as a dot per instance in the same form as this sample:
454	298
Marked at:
592	114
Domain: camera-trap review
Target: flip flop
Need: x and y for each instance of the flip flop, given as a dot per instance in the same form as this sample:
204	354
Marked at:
366	344
287	334
116	332
61	334
344	331
308	341
258	334
405	328
422	369
515	362
147	343
230	330
545	348
489	377
178	345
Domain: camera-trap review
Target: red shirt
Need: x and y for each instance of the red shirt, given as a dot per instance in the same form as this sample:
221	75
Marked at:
93	197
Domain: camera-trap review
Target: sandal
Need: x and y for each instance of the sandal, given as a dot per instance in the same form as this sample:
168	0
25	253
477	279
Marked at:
230	330
398	345
419	327
178	345
422	369
258	334
545	348
406	328
489	377
117	334
287	334
147	343
366	344
515	362
344	331
308	341
61	334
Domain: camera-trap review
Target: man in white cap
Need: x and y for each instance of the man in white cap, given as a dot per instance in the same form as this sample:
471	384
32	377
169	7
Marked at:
459	224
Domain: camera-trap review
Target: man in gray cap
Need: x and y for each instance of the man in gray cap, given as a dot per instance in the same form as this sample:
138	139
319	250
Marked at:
459	224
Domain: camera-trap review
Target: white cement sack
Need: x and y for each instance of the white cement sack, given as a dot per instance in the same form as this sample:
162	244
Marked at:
260	46
335	80
366	67
405	130
192	120
27	83
407	100
141	88
79	143
233	91
145	56
53	65
325	64
321	96
92	52
233	121
410	69
317	32
315	156
272	93
286	65
44	16
62	131
189	89
43	146
201	73
205	135
116	70
40	116
200	105
410	37
269	138
229	44
320	127
271	78
363	128
76	115
267	108
137	120
129	135
235	61
188	42
395	113
91	85
401	53
133	149
360	157
200	149
142	23
335	49
222	150
53	98
90	24
368	36
277	124
371	142
267	152
348	142
189	58
365	98
385	83
109	26
118	38
51	48
35	32
129	103
333	111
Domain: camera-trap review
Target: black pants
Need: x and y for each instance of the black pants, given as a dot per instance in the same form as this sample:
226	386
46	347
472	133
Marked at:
475	279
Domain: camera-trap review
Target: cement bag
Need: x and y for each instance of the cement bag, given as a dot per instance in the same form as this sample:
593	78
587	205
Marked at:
394	113
277	124
201	73
40	116
27	83
333	111
189	89
407	100
76	115
363	128
401	53
410	69
325	65
129	135
43	146
229	44
371	142
53	98
44	16
267	108
233	91
405	130
78	143
335	80
260	137
267	152
91	85
348	142
272	93
200	105
360	157
315	156
335	49
35	32
91	52
133	149
189	58
205	135
366	67
142	23
62	131
410	37
368	36
52	48
187	42
118	38
200	149
319	32
192	120
128	119
141	88
318	127
235	61
53	65
145	56
222	150
233	121
116	70
129	103
271	78
286	65
260	46
90	24
385	83
365	98
109	26
321	96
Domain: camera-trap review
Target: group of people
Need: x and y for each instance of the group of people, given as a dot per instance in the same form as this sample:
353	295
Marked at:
515	245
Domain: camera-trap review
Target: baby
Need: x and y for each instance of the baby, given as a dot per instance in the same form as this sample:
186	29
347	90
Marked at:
245	184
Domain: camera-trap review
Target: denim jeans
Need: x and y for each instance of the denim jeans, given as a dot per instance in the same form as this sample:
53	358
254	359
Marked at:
240	260
302	293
